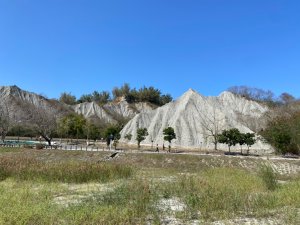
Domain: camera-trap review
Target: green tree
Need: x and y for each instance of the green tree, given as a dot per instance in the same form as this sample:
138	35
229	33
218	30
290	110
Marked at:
169	135
100	97
164	99
72	125
279	135
229	137
128	136
91	131
5	121
85	98
112	133
141	135
241	141
123	91
149	94
67	98
249	140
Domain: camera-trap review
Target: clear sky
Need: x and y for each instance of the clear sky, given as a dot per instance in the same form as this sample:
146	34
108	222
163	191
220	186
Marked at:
78	46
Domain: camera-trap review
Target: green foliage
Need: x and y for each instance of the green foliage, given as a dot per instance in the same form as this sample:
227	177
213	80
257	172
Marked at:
67	98
144	94
4	121
283	133
249	139
141	135
91	131
98	97
22	131
85	98
230	137
72	125
164	99
101	97
169	135
122	91
233	136
112	131
128	136
149	94
269	177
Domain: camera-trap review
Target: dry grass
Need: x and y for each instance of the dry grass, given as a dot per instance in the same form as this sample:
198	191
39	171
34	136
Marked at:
36	189
29	168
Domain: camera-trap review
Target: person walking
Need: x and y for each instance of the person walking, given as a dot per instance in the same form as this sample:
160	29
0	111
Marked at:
157	150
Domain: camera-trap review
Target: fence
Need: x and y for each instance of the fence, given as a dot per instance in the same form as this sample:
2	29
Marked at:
59	147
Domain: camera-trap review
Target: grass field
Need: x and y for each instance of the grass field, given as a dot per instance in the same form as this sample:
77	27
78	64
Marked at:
74	187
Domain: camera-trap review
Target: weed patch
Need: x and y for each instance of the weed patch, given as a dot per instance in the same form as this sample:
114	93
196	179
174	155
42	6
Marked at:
25	168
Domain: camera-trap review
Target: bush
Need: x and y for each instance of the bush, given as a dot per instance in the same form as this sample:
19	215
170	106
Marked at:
283	133
39	146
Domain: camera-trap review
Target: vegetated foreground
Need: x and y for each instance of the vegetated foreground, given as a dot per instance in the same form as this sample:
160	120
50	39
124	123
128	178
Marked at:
64	187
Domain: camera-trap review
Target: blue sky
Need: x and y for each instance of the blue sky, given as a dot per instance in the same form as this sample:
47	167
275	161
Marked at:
79	46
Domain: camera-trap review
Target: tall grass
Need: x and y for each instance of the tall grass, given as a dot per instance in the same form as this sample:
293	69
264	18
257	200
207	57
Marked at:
9	149
209	194
26	168
223	193
269	177
213	195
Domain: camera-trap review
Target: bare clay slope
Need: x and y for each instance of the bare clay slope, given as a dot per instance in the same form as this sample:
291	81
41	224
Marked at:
112	111
20	102
194	116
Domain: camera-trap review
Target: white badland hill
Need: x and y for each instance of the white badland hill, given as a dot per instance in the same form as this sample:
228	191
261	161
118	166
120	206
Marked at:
195	117
112	111
18	101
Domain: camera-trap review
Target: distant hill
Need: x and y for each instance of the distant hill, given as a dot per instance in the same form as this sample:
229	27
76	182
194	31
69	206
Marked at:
17	100
194	116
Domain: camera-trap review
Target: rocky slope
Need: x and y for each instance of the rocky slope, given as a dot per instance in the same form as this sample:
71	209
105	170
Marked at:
194	117
112	111
18	101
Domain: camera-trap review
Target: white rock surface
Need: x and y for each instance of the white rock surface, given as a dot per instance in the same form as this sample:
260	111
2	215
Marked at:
111	111
16	99
193	114
92	109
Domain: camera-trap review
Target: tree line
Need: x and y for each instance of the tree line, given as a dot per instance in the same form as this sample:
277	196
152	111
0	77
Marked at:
233	137
282	130
263	96
132	95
